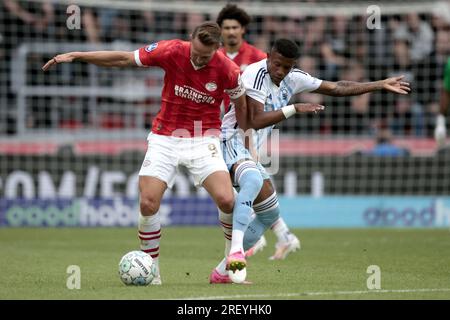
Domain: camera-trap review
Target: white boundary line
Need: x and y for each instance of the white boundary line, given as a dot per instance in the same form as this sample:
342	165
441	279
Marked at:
320	293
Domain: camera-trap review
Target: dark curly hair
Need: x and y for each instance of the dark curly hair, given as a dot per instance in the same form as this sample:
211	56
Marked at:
233	12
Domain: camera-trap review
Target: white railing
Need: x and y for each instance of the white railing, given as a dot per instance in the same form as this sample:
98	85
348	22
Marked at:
129	87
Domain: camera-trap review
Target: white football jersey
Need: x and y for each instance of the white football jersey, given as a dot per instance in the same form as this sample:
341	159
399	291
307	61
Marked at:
260	87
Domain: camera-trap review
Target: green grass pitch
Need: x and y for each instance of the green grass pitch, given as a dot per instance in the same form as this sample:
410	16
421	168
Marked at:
332	264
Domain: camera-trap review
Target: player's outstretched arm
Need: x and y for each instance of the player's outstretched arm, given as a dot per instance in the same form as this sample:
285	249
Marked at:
258	118
99	58
351	88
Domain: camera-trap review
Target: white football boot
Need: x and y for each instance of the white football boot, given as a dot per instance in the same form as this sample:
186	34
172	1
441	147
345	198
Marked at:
283	248
156	281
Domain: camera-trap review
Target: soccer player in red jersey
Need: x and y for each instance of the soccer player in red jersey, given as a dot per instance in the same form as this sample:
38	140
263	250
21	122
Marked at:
233	22
187	128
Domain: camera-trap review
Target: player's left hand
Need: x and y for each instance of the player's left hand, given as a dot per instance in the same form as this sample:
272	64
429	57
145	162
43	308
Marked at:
395	84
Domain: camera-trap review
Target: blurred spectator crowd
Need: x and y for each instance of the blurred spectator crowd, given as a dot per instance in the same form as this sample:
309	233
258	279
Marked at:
333	48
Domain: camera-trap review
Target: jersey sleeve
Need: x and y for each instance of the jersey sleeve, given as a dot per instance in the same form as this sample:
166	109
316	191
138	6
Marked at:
253	83
235	87
155	54
447	76
305	82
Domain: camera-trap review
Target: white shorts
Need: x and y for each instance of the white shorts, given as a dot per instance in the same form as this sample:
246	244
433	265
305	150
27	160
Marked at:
200	155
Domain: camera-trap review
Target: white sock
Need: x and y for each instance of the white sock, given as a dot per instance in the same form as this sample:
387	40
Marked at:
281	230
149	232
226	222
222	267
237	241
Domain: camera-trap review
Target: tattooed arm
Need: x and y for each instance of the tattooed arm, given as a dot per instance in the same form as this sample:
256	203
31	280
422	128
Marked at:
351	88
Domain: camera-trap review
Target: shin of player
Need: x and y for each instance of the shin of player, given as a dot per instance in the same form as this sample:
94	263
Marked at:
249	180
267	213
149	225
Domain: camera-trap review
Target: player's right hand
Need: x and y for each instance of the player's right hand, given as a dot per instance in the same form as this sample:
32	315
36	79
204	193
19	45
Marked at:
396	85
60	58
308	107
440	132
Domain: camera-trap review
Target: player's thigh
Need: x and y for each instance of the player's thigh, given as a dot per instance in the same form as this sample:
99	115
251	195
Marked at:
234	153
160	161
218	185
205	158
266	191
209	170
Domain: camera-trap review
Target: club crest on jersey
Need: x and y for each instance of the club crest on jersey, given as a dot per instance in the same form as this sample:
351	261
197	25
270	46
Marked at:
151	47
284	93
211	86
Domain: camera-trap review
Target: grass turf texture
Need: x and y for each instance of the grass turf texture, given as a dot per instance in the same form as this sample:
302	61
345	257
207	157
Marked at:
332	264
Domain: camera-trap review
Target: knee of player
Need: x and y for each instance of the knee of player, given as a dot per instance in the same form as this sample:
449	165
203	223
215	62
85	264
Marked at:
252	178
257	179
225	202
248	174
148	206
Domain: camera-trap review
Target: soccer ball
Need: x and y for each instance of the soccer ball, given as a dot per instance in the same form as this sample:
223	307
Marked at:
238	276
137	268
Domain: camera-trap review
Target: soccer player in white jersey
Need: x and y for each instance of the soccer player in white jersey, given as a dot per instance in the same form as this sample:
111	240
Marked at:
270	84
233	22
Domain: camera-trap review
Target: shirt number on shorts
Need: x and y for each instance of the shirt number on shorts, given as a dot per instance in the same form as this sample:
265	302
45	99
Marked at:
213	150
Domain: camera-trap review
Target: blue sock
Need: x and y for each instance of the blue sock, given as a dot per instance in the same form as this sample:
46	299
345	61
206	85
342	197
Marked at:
254	231
267	212
250	182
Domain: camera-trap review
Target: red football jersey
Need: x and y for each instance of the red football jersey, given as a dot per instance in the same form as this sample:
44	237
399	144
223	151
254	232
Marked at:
246	55
189	95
